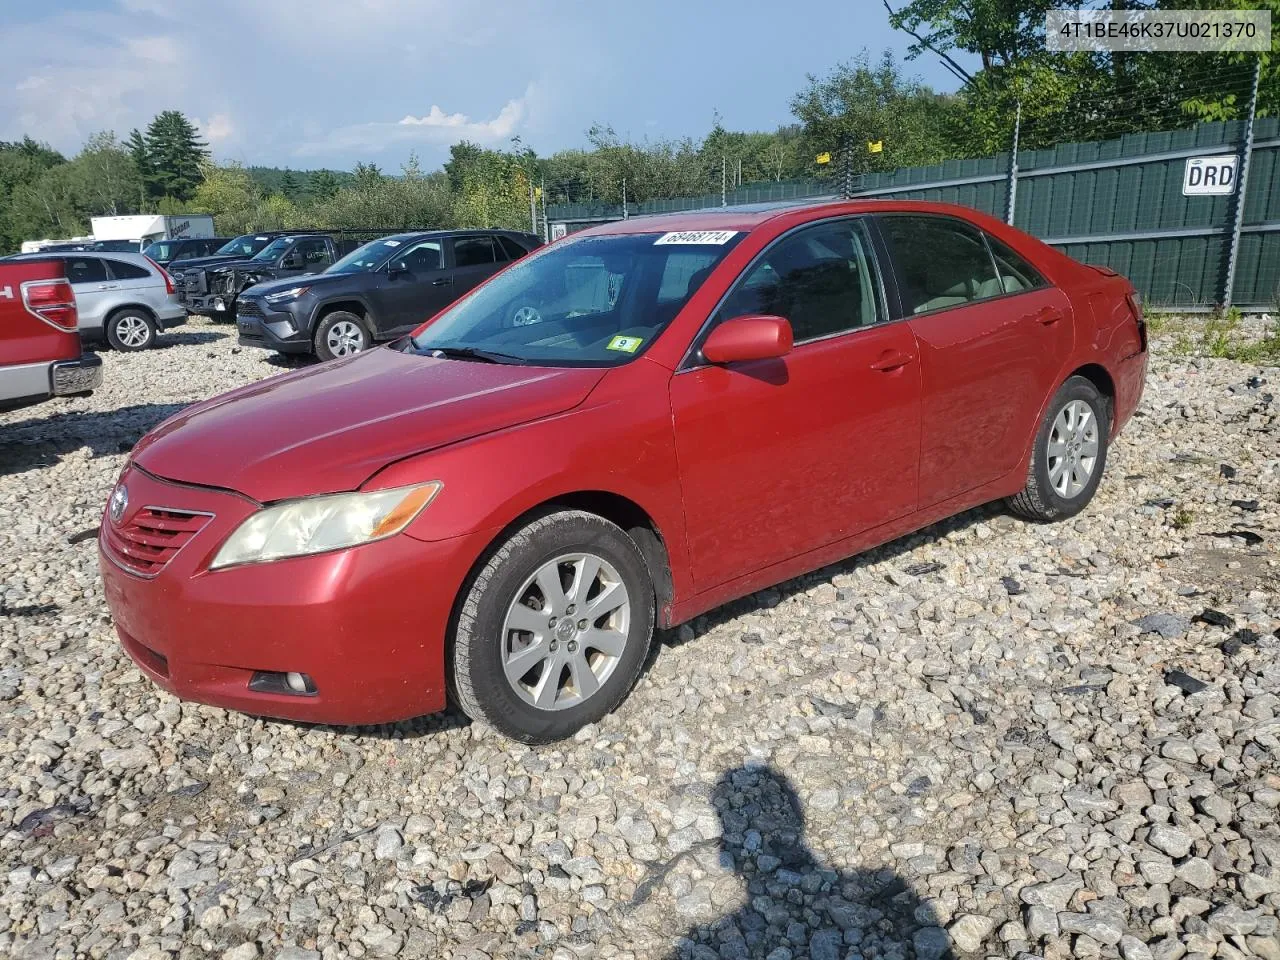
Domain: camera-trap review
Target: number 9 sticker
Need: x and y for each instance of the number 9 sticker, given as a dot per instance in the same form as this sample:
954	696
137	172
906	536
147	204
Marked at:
625	344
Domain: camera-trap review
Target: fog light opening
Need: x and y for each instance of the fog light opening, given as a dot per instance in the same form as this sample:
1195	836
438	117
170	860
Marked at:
291	683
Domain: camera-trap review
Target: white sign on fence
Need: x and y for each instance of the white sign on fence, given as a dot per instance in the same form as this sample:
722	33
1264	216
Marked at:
1210	175
558	231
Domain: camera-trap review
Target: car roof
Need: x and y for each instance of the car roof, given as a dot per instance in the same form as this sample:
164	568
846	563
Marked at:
134	258
748	216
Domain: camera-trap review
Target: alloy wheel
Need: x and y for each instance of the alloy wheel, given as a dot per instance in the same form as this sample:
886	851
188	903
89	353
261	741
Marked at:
133	331
344	338
1072	449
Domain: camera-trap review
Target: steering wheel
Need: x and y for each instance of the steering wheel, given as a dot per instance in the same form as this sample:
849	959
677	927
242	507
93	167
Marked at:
524	316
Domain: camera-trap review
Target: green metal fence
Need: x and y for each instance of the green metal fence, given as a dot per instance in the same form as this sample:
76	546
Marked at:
1118	203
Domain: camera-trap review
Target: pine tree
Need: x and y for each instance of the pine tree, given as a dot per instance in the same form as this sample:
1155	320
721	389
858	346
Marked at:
367	174
136	144
323	184
175	153
289	185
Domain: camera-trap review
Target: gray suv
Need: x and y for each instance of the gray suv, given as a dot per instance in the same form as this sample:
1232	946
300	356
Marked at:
124	298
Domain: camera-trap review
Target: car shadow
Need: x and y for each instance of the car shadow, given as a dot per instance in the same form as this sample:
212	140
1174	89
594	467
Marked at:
772	596
792	900
41	441
187	338
291	361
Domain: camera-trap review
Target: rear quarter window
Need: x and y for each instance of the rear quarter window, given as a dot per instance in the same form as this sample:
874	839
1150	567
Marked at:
127	271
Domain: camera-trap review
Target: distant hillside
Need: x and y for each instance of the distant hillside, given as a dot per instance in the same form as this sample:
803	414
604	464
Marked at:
273	179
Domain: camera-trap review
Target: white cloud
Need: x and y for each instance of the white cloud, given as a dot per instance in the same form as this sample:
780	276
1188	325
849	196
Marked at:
217	129
435	126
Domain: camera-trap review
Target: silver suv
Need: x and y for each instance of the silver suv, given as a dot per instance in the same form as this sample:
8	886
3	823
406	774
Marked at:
124	298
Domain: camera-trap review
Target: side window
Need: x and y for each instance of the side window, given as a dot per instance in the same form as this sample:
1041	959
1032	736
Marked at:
85	270
513	250
126	271
472	251
940	262
821	278
313	253
422	257
1015	273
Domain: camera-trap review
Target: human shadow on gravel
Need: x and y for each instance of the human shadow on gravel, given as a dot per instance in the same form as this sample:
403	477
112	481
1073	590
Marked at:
47	435
792	899
772	596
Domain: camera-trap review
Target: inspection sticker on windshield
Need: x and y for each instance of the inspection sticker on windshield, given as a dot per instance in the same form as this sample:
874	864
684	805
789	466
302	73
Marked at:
625	344
391	243
717	237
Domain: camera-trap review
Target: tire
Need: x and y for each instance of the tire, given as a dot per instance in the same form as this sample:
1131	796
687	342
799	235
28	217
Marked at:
546	703
337	335
1053	491
130	329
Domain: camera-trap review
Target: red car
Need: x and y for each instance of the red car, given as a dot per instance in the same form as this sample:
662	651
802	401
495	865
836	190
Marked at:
40	355
620	432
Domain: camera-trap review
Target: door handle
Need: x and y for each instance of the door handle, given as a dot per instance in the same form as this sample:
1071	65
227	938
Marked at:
109	286
442	282
1048	316
891	360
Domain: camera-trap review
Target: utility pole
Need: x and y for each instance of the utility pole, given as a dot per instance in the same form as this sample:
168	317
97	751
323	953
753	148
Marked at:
533	209
739	171
1013	166
1242	182
624	198
546	227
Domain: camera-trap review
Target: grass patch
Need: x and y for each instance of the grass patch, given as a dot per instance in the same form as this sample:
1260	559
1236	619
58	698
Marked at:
1219	335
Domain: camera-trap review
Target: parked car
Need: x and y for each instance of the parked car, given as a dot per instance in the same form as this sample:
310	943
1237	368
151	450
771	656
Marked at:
290	255
116	246
377	292
623	430
40	354
189	273
165	252
123	298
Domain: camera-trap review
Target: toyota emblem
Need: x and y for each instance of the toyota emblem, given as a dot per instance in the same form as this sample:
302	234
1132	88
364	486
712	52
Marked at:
118	504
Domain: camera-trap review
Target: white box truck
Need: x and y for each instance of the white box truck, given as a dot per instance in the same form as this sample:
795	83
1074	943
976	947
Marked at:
149	227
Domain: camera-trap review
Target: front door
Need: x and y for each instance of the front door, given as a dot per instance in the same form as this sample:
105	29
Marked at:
991	344
780	457
411	288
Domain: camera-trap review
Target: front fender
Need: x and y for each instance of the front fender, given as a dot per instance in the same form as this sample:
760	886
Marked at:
619	441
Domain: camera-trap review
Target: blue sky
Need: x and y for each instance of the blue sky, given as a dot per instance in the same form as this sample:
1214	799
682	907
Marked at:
307	83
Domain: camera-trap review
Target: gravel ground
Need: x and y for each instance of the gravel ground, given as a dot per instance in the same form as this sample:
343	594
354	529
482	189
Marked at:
991	738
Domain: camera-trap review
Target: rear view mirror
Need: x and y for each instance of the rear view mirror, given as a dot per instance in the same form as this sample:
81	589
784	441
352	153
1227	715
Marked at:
748	338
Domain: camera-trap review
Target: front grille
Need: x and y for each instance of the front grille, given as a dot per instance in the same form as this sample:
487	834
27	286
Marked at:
248	308
194	281
150	539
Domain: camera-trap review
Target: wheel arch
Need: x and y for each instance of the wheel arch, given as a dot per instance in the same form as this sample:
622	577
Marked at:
1101	378
119	308
349	304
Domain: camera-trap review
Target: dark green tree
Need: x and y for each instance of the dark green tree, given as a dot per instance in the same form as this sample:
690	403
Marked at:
289	185
323	184
367	175
174	153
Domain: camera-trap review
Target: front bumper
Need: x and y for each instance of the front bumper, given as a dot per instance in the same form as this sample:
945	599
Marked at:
259	325
27	383
366	624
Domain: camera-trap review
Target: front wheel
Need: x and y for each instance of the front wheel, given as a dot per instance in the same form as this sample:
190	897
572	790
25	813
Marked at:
554	629
341	334
1070	454
130	329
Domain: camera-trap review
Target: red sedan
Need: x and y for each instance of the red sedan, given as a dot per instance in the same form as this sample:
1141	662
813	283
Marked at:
620	432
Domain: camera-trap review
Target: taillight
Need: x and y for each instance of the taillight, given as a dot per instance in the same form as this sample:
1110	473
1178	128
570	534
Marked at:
53	301
168	280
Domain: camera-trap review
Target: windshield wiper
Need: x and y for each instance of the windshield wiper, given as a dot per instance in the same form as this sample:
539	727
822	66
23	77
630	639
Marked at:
474	353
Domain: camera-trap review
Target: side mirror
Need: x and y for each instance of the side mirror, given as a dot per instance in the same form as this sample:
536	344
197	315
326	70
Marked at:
748	338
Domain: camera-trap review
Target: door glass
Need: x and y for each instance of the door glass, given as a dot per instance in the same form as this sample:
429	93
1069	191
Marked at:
939	261
820	278
513	250
85	270
422	257
314	254
1015	273
472	251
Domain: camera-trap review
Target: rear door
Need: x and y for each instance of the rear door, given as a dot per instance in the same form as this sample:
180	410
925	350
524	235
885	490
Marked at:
95	290
992	345
136	284
475	259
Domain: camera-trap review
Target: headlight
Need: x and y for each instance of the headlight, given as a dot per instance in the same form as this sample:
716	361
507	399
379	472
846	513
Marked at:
284	296
316	524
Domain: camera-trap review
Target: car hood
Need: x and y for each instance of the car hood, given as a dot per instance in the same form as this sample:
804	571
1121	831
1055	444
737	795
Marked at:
243	263
198	263
302	280
328	428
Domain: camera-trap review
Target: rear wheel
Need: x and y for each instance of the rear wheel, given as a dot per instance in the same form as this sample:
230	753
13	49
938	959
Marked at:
1070	454
554	629
130	329
341	334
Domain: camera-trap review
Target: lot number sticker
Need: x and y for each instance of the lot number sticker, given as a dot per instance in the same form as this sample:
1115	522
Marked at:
717	237
1209	176
625	344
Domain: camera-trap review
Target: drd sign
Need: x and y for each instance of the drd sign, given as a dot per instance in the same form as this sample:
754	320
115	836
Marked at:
1209	175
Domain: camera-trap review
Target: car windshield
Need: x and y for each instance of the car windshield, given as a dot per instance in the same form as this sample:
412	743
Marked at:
366	257
245	246
594	301
273	249
161	250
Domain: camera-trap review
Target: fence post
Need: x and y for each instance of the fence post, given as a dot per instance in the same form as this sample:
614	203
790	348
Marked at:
1013	167
724	175
624	198
546	227
846	188
533	209
1242	182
